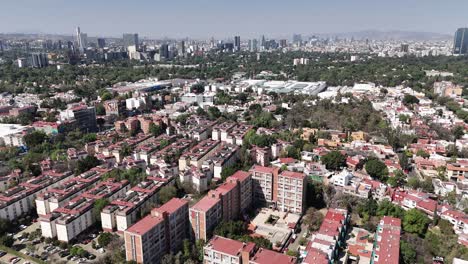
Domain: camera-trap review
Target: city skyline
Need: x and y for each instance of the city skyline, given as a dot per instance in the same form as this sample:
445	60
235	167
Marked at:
204	19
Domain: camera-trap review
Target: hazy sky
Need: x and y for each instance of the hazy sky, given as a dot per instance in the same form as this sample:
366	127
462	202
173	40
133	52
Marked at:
220	18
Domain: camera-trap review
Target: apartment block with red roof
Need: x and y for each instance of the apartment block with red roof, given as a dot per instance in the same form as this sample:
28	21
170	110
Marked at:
159	233
264	188
245	188
221	250
266	256
226	202
228	193
121	213
224	250
204	216
198	154
325	243
19	200
291	192
387	241
68	221
46	202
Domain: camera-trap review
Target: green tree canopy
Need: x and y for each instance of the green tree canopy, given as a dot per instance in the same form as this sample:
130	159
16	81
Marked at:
415	222
376	169
334	160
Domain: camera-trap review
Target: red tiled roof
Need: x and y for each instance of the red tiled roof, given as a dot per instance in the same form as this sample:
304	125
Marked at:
171	206
291	174
205	204
229	246
144	225
315	256
240	175
265	256
263	169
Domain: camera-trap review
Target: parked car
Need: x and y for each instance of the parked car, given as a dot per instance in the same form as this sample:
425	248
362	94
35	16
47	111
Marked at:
2	253
14	260
64	253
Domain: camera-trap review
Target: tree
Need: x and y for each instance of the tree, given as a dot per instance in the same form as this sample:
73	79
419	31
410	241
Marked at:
197	88
105	238
35	138
410	99
155	130
422	153
387	208
292	253
91	137
415	222
100	110
407	253
376	169
228	171
397	180
167	193
99	204
213	112
6	240
87	163
334	160
313	218
458	132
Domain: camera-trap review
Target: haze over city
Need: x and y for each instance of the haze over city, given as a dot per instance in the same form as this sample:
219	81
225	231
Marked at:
204	18
240	132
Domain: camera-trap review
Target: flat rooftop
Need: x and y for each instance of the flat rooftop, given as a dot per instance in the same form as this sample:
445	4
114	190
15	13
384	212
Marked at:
278	230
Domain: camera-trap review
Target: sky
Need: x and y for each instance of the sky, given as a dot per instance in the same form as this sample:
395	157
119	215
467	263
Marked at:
222	18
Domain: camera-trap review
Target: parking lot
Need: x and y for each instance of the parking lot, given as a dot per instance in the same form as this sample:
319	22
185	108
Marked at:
48	250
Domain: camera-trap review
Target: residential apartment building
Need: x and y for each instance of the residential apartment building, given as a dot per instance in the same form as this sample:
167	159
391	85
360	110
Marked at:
19	200
291	192
387	237
68	221
264	187
323	247
159	233
205	215
224	250
121	213
244	180
54	198
198	154
225	156
221	250
228	193
84	116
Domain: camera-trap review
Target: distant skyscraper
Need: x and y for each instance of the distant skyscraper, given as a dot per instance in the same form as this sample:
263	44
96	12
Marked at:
81	39
253	45
283	43
262	44
101	43
404	47
164	51
1	45
297	38
39	60
181	50
460	42
130	40
237	45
